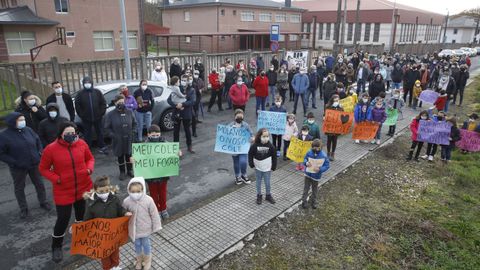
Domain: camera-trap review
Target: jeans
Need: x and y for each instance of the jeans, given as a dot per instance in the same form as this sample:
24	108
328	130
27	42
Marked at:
240	164
360	86
63	217
88	129
265	176
311	92
186	128
379	131
297	96
408	92
260	103
396	85
142	119
447	152
283	94
226	96
143	244
309	182
271	93
446	105
19	177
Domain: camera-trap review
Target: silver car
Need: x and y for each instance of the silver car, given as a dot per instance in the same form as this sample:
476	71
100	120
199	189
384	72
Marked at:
162	111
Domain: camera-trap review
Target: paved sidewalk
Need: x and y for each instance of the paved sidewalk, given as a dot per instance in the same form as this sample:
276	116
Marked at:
198	237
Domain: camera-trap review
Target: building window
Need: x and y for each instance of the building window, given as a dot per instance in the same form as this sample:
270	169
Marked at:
358	31
327	33
265	17
349	31
70	34
132	40
320	31
61	6
280	17
306	28
293	37
19	43
366	37
281	38
103	41
453	41
247	16
234	12
222	12
186	16
8	3
455	31
376	32
187	39
295	18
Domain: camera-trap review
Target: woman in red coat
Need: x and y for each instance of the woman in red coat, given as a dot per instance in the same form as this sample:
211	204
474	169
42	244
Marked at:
67	163
261	90
239	94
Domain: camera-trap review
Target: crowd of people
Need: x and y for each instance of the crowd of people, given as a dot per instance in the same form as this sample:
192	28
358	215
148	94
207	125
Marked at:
45	141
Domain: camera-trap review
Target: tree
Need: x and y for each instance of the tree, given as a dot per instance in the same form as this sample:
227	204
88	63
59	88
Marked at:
475	14
152	12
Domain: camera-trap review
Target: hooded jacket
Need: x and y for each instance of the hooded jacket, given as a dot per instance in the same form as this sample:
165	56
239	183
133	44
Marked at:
33	119
417	90
90	103
362	111
48	127
272	77
262	157
378	114
213	79
67	99
120	126
320	155
97	208
19	148
145	219
290	131
66	167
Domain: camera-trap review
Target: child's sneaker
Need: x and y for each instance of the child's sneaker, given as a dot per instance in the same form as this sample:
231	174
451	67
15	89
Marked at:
245	179
378	142
302	168
357	141
424	156
278	153
373	142
430	158
164	214
238	181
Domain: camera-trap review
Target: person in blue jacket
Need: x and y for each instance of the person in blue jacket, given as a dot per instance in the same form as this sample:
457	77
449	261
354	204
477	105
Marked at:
300	84
314	167
363	110
20	149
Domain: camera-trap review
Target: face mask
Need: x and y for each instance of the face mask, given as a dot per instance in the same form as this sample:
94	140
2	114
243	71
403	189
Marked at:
135	196
239	82
87	85
144	87
120	106
471	120
418	85
183	83
335	104
264	140
21	124
199	62
278	104
195	76
190	81
240	74
271	69
423	117
52	114
291	121
102	196
70	138
304	133
440	118
239	120
32	102
58	90
154	138
378	106
365	100
311	121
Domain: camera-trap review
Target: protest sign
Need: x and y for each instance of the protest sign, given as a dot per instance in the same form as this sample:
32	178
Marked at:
470	141
428	96
232	140
337	122
98	238
274	122
297	58
347	104
298	149
154	160
316	165
434	132
364	130
392	116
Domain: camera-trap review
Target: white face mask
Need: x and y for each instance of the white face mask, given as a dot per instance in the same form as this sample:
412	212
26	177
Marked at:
190	81
144	87
103	196
365	100
87	85
291	120
183	83
58	90
136	196
311	121
304	133
423	117
195	76
396	96
264	140
53	114
335	104
278	104
32	102
239	82
271	69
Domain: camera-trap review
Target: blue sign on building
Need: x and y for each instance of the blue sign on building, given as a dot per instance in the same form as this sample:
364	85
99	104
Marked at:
275	32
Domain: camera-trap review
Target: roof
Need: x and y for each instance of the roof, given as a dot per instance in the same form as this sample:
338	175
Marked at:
254	3
23	16
462	22
153	29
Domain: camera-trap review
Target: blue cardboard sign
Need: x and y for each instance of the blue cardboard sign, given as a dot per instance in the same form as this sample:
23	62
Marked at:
274	122
275	32
232	140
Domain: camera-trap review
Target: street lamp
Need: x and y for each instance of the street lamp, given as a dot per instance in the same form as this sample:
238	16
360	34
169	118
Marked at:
126	53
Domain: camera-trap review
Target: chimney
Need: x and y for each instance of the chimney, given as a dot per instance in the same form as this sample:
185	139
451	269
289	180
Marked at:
288	3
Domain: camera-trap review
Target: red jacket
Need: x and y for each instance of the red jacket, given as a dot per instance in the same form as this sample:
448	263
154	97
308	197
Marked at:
441	102
261	86
66	167
414	128
214	81
239	94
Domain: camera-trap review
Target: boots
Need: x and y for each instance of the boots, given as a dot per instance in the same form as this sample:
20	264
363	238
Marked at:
190	149
259	199
122	176
332	156
130	170
270	199
57	252
138	263
410	155
147	262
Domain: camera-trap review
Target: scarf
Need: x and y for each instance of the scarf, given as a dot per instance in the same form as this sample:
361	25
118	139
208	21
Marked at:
443	82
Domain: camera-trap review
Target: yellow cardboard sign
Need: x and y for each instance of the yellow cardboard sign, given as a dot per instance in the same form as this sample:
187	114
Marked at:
298	149
348	104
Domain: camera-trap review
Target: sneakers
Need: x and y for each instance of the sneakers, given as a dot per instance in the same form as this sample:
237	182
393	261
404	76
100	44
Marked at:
46	206
259	199
424	156
270	199
116	268
238	181
23	213
278	154
245	179
304	205
378	141
430	158
373	142
299	167
164	214
357	141
57	254
103	150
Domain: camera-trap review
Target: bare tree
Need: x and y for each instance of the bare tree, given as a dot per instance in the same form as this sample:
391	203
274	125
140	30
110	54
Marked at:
152	12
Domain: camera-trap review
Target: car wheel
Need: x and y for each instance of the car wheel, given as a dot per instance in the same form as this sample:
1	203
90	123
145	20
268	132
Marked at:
166	120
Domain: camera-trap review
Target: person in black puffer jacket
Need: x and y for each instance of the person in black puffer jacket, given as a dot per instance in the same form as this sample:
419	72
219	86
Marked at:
329	89
48	128
31	107
376	87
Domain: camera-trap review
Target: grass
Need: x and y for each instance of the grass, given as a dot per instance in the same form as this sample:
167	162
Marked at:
6	105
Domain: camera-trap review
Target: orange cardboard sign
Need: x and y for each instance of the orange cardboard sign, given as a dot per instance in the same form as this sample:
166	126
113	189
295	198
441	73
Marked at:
100	237
337	122
364	130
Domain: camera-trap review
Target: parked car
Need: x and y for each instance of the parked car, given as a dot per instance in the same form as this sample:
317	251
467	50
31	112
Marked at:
162	111
459	52
469	51
446	52
478	50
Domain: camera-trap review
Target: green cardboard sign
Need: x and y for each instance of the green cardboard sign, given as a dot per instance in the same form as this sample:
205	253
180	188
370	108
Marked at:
155	160
392	116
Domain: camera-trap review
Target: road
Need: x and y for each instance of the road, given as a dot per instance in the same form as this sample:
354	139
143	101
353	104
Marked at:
204	175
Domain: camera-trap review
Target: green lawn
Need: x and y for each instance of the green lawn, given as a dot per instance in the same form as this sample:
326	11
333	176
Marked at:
6	105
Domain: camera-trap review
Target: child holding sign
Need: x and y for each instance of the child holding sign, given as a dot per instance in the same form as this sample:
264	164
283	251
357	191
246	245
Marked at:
143	222
362	110
314	129
304	136
240	160
316	163
263	158
454	137
291	130
395	103
414	129
378	116
333	104
103	203
277	138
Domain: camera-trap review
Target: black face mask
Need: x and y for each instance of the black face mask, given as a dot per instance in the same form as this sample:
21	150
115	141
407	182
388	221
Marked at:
153	139
120	106
440	118
239	120
70	138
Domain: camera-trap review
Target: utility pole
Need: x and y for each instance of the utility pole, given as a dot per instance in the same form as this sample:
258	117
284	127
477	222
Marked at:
337	24
126	53
394	25
445	30
314	27
356	36
344	21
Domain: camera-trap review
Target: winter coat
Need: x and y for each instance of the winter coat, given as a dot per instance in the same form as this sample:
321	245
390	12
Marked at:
19	148
395	104
290	131
48	127
159	76
201	69
259	153
364	76
32	118
239	95
308	138
314	129
131	103
326	164
175	70
300	83
414	128
471	126
90	104
329	61
441	102
187	112
120	126
145	219
350	74
376	87
455	135
329	89
230	79
282	80
397	75
274	62
66	167
198	85
410	77
272	78
417	90
97	208
312	81
280	109
213	79
462	79
362	112
378	115
261	86
67	99
145	99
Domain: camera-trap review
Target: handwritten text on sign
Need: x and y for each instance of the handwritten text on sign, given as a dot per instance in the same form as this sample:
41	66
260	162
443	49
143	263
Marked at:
274	122
428	96
298	149
392	116
232	140
337	122
470	141
154	160
347	104
99	238
434	132
364	130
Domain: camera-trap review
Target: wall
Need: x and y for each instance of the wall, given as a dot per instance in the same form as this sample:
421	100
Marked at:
464	35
